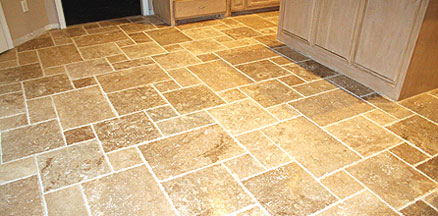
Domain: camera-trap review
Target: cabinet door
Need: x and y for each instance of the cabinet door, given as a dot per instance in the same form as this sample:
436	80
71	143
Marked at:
385	34
336	25
297	17
251	4
237	5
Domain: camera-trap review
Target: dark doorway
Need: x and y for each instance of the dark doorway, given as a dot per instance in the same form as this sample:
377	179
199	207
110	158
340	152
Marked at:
83	11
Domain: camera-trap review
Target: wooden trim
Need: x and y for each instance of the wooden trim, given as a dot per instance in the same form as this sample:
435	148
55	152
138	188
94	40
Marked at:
60	12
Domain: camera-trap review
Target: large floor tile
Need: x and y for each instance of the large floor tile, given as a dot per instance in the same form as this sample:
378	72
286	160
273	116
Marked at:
12	103
36	43
423	104
168	36
270	93
246	54
185	122
262	70
388	106
41	109
21	197
203	46
68	201
17	169
241	32
310	70
20	73
99	51
143	50
100	38
254	21
88	68
341	184
176	59
59	55
47	86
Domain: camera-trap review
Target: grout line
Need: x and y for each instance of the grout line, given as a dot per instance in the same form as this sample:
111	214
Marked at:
246	208
345	199
43	199
154	123
26	107
87	205
419	171
59	121
104	94
102	150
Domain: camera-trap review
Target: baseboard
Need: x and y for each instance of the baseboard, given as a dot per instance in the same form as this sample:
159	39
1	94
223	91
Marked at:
34	34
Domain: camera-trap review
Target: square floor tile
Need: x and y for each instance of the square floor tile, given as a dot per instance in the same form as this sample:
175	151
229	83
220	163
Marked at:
423	104
88	68
59	55
203	46
246	54
68	201
11	104
47	86
143	50
21	197
20	73
168	36
262	70
41	109
176	59
270	93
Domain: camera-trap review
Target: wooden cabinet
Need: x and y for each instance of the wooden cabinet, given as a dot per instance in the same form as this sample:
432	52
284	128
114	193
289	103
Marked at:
242	5
387	45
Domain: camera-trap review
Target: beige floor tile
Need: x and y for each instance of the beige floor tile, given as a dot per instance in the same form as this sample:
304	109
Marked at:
232	95
319	152
131	78
219	75
281	60
9	55
88	68
189	151
68	32
132	100
242	116
176	59
211	191
166	86
28	57
363	203
21	197
341	184
132	192
59	55
254	21
203	46
262	70
237	43
133	27
314	87
198	24
241	32
79	135
100	38
84	82
82	107
310	70
432	199
192	99
20	73
283	112
124	43
419	132
36	43
173	47
430	168
270	93
388	106
244	166
256	211
41	109
143	50
351	85
161	113
202	33
419	208
100	50
31	139
13	121
168	36
17	169
423	104
277	189
363	136
132	63
291	80
68	201
184	123
8	64
291	54
117	58
11	104
380	117
54	70
409	153
62	41
246	54
113	22
124	158
10	88
47	86
391	179
270	40
184	77
331	107
208	57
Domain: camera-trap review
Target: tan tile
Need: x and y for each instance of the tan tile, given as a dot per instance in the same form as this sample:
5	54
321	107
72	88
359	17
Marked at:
419	208
41	109
211	191
71	31
133	192
223	39
31	139
256	211
231	21
363	203
11	104
85	82
331	107
192	99
423	104
291	80
203	46
232	95
17	169
244	166
270	93
88	68
351	85
380	117
117	58
189	151
314	87
21	197
166	86
184	123
82	107
198	24
20	73
391	179
291	54
78	135
28	57
54	70
131	78
143	50
132	100
132	63
62	41
10	88
9	55
47	86
100	38
124	43
430	168
242	116
36	43
241	32
310	70
161	113
341	184
133	27
432	199
124	158
99	51
13	121
125	131
202	33
419	132
59	55
168	36
219	75
277	189
281	60
114	22
8	64
238	43
262	70
173	47
283	112
270	40
208	57
254	21
409	153
68	201
388	106
246	54
184	77
176	59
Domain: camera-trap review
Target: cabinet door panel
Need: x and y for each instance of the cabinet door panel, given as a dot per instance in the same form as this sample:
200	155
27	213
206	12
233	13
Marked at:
386	30
262	3
237	5
298	17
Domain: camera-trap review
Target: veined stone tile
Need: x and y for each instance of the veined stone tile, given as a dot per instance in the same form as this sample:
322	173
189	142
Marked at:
168	36
100	50
391	179
310	70
351	85
283	111
82	107
277	189
28	57
319	152
84	82
124	158
68	201
10	88
423	104
262	70
125	131
132	63
131	192
21	142
166	86
314	87
184	77
270	40
331	107
292	80
291	54
131	78
203	46
132	100
134	27
202	33
184	123
47	86
430	168
21	197
246	54
380	117
341	184
241	32
270	93
36	43
254	21
189	151
388	106
100	38
419	208
143	50
161	113
11	104
211	191
176	59
41	109
244	166
59	55
17	169
78	135
13	121
409	153
219	75
20	73
232	95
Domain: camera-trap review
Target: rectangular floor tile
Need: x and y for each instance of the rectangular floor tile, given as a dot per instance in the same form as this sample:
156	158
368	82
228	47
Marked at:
184	123
409	153
310	70
59	55
291	54
79	135
124	158
41	109
184	77
11	104
100	38
262	70
270	93
17	169
132	63
351	85
143	50
430	168
176	59
13	121
254	21
47	86
36	43
419	208
202	33
314	87
21	197
9	88
241	32
88	68
203	46
168	36
246	54
244	166
161	113
423	104
68	201
99	51
388	106
20	73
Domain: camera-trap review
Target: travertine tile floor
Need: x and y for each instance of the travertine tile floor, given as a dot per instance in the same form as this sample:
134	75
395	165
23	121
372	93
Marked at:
132	117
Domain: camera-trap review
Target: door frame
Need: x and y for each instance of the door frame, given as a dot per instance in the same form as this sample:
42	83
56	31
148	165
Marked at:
5	27
145	6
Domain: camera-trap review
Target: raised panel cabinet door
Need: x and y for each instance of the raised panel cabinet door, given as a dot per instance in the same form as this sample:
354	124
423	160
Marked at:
261	3
297	17
237	5
336	25
385	34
